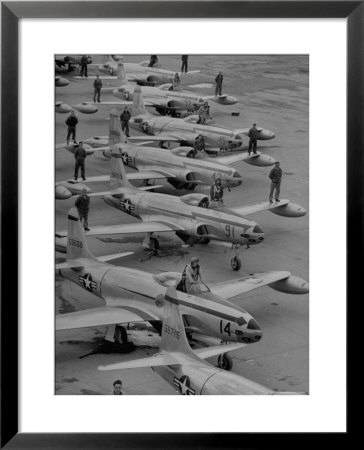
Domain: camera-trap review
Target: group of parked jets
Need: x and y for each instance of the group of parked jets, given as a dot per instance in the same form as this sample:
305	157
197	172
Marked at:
208	318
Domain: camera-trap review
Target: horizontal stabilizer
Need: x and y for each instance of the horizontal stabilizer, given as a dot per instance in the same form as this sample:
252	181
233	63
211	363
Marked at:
95	317
208	352
153	361
114	256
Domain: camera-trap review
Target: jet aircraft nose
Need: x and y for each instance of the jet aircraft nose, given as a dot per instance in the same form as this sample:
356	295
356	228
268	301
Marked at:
253	235
236	180
250	331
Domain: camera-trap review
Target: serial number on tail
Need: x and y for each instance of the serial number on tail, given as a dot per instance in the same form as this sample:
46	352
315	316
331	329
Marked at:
171	331
75	243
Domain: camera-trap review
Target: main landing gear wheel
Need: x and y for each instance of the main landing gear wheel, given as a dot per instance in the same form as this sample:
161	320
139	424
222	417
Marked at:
236	263
225	362
120	335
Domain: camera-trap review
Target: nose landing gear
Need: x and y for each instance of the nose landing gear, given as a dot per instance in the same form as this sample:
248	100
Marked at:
236	261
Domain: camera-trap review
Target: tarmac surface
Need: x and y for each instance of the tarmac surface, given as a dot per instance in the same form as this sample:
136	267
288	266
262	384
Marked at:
273	92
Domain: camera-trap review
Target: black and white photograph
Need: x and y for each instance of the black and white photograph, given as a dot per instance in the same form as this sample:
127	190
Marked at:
182	224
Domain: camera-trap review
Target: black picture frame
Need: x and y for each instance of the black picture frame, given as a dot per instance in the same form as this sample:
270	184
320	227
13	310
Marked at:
11	12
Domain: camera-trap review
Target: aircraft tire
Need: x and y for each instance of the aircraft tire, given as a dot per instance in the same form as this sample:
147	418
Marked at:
225	362
120	335
236	263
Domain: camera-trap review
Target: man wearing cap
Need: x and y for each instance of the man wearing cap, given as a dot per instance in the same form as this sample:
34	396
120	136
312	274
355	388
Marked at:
80	156
83	206
216	192
193	276
275	176
124	119
253	135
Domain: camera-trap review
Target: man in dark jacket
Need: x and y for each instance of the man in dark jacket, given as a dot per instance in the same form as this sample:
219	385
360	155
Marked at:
71	123
218	80
253	136
83	64
80	156
198	146
83	206
97	88
124	119
275	176
153	60
184	63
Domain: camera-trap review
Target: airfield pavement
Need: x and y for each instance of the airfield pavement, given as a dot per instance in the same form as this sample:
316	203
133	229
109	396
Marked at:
273	92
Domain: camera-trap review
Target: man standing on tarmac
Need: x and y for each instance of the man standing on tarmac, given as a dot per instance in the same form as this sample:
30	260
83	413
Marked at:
97	88
71	123
253	135
80	156
124	119
184	64
218	80
84	61
276	177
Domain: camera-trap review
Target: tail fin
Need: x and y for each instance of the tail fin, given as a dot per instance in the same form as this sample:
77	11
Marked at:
76	242
115	133
118	176
138	103
121	73
174	337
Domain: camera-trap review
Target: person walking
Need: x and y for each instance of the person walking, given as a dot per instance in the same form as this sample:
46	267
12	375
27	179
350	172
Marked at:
83	64
71	123
80	156
184	67
218	84
83	206
124	119
276	177
253	136
97	88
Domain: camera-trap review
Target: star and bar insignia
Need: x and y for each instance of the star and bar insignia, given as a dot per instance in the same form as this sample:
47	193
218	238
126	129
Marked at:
184	385
87	282
127	205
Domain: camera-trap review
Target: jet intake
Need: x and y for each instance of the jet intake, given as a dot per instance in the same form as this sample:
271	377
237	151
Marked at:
195	199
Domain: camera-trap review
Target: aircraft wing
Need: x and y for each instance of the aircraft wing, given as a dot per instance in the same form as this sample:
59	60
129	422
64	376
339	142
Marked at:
238	286
258	207
173	137
128	228
140	175
104	315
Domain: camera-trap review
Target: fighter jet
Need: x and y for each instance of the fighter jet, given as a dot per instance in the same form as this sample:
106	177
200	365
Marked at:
185	369
61	61
165	98
138	72
180	166
188	216
185	130
132	295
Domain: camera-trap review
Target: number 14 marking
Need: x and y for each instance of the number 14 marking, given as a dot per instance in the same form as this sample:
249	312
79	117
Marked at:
226	329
